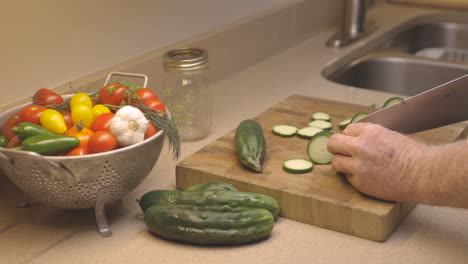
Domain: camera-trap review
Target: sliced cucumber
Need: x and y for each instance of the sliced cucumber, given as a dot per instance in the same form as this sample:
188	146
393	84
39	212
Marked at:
320	116
298	166
325	125
392	101
317	148
343	124
308	132
284	130
358	116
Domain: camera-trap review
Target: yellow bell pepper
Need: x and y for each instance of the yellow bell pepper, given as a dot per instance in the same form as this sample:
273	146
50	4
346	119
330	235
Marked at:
100	109
81	98
53	120
83	113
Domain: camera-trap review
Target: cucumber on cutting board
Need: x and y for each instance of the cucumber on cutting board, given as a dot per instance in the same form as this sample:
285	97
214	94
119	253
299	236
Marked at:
358	116
284	130
343	124
317	148
298	166
308	132
325	125
321	116
392	101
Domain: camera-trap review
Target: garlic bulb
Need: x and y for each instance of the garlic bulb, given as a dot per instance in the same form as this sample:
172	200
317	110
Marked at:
128	126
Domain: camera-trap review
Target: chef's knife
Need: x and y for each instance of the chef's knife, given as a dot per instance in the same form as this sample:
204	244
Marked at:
442	105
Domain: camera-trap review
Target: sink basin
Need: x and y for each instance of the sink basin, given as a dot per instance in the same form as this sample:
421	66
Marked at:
400	75
432	35
409	62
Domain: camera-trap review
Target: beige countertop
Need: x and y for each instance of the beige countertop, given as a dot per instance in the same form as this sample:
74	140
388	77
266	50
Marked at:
428	235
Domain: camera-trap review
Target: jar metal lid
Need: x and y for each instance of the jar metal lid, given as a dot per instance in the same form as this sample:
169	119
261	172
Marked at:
185	59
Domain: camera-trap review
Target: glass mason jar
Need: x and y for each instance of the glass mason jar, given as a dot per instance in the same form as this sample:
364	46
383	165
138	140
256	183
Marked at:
186	92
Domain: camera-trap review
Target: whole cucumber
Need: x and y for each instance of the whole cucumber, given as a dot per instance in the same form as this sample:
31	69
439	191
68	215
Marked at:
49	144
27	129
217	200
212	185
207	227
250	145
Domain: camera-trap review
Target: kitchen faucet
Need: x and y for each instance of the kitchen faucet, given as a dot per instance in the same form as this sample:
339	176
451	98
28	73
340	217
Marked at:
352	28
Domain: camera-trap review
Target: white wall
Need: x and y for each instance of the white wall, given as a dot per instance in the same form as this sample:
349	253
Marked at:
50	42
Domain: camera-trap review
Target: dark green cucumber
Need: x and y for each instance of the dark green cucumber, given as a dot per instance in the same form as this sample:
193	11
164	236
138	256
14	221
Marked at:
212	185
219	201
27	129
207	227
392	101
250	145
49	144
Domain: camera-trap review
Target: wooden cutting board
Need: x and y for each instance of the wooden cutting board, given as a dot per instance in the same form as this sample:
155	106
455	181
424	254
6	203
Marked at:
320	197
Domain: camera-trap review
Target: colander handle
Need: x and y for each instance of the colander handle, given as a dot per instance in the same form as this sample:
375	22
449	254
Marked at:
127	74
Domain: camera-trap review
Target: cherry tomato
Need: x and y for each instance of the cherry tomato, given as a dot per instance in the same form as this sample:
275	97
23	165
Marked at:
46	97
78	151
102	141
68	119
151	131
81	132
32	113
144	94
101	123
113	94
12	121
155	104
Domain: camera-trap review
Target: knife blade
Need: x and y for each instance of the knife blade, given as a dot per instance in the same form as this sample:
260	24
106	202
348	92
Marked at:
440	106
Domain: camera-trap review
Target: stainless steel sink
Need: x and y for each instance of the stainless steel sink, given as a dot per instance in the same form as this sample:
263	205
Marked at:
417	58
433	35
401	75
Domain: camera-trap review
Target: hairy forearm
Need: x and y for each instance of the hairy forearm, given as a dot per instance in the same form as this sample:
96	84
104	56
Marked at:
443	176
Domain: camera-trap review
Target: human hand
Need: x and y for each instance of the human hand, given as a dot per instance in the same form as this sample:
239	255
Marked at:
377	161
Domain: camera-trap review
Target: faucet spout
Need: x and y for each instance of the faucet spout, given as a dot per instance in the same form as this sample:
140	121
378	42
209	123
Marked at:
352	28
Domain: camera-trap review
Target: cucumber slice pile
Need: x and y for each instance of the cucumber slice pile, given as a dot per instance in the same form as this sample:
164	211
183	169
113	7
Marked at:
322	124
317	148
321	116
298	166
308	132
284	130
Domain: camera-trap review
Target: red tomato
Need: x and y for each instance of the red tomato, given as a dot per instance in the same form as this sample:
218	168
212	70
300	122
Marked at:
12	121
46	97
80	132
78	151
102	141
14	142
146	94
113	94
151	131
68	119
32	113
155	104
101	123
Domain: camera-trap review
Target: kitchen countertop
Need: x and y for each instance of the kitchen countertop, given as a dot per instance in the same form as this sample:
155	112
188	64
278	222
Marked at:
428	235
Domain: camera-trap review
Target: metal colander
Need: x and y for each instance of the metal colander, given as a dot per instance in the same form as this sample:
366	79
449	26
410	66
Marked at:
81	181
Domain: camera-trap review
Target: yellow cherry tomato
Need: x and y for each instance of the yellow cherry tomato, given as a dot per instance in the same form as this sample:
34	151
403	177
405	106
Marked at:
100	109
53	120
81	98
82	113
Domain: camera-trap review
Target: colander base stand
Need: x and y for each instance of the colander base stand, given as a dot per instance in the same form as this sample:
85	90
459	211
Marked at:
100	211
